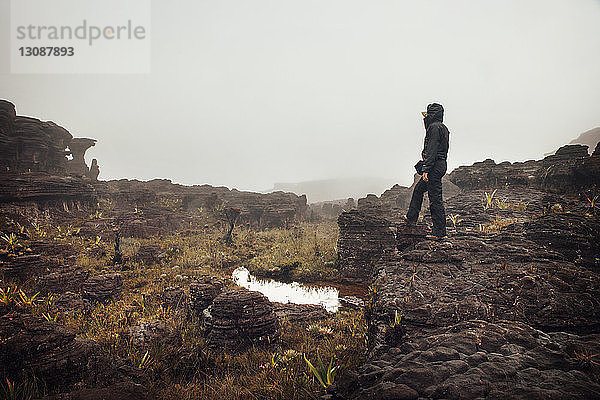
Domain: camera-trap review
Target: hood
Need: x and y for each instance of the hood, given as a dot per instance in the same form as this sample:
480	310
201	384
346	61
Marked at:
435	112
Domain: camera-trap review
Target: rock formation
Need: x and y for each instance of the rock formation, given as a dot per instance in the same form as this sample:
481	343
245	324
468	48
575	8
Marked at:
479	359
66	279
507	305
103	288
363	239
30	145
47	349
203	292
570	169
239	318
299	312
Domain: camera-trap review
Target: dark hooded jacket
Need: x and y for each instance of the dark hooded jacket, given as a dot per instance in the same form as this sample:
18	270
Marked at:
436	137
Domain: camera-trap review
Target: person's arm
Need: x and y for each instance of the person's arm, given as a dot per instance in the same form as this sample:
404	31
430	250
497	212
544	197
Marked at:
430	150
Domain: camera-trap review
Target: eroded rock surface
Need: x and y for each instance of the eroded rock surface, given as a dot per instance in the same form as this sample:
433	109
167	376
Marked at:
479	359
63	280
48	349
364	237
505	307
103	288
240	318
203	292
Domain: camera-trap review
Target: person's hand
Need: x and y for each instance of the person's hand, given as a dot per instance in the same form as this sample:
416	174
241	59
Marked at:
425	177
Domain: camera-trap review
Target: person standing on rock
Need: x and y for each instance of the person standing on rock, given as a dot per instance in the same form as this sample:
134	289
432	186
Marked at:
432	168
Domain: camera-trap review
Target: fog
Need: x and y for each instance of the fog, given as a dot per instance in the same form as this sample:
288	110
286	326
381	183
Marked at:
247	93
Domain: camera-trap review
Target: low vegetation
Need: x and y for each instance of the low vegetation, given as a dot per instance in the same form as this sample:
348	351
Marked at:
300	365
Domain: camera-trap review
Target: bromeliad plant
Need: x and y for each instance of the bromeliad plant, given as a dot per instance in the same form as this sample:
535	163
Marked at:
12	241
324	374
592	201
488	199
8	296
454	218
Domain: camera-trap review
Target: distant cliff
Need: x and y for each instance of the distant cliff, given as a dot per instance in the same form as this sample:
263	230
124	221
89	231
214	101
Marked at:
335	189
589	138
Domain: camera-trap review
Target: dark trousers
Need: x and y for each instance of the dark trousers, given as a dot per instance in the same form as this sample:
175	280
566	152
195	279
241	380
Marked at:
436	202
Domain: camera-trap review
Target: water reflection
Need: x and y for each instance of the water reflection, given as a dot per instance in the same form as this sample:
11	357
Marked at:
293	292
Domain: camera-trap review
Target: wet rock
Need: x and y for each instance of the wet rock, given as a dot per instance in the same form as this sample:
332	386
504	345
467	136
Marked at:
299	312
352	302
575	236
102	288
538	365
363	239
240	318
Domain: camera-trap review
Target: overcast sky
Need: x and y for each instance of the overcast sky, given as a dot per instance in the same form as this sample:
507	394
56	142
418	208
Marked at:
246	93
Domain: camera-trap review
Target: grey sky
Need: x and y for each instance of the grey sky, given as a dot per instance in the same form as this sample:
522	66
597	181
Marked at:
249	92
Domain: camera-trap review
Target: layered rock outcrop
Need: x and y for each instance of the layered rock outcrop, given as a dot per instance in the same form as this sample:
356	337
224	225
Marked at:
102	288
364	237
47	349
570	169
505	307
239	318
31	145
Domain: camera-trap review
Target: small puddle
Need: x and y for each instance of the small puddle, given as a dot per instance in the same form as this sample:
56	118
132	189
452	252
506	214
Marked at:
294	292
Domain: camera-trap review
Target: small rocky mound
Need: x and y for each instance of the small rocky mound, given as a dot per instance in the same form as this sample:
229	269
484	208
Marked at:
149	254
239	318
66	279
174	298
152	332
203	292
68	302
102	288
47	349
478	359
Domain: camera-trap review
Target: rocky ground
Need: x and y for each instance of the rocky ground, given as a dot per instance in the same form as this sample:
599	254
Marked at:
505	307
